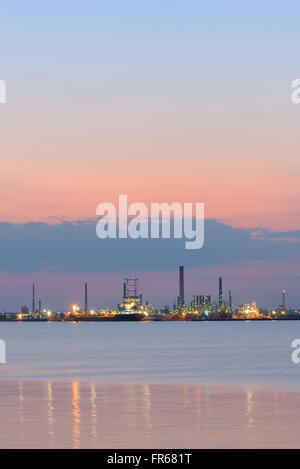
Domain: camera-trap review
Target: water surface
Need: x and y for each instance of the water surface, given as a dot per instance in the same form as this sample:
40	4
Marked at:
149	352
150	385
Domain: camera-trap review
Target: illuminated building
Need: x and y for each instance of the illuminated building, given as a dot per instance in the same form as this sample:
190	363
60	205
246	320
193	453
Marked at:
194	303
132	302
204	300
281	310
201	303
249	311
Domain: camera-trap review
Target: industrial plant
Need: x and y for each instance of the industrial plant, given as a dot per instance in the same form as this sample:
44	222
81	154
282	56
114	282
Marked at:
132	308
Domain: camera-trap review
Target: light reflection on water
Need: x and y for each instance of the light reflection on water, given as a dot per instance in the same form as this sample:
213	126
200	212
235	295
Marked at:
193	385
76	414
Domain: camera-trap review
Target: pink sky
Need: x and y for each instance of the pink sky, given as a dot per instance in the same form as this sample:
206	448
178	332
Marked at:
174	104
69	183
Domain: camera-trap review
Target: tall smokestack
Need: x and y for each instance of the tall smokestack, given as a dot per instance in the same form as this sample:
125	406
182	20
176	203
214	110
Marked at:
124	290
33	298
230	299
181	285
283	298
221	299
85	297
40	306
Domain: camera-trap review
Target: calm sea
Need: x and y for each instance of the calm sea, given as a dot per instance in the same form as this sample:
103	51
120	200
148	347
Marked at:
153	352
150	385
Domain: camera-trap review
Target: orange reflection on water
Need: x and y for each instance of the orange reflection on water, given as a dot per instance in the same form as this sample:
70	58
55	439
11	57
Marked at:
76	414
93	403
50	413
47	414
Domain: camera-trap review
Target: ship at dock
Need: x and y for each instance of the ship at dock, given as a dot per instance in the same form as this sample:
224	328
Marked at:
104	317
131	308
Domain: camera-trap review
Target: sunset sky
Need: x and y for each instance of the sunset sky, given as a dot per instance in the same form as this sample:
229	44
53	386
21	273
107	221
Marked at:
163	101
